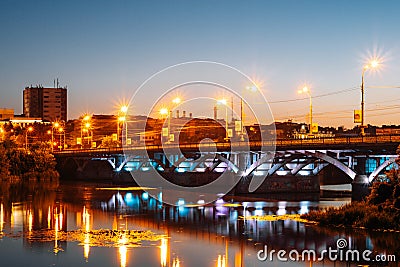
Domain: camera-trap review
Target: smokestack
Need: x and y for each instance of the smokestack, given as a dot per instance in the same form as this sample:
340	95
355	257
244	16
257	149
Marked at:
215	113
184	114
190	115
177	114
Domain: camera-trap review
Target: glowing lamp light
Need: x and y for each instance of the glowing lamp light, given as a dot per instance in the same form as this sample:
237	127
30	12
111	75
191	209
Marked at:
124	109
164	111
222	101
176	100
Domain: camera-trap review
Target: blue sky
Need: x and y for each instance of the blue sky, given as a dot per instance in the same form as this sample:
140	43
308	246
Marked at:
104	50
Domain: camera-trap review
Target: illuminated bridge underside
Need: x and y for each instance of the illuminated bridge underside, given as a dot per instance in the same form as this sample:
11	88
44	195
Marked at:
282	163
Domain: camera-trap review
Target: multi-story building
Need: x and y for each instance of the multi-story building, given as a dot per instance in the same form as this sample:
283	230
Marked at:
47	103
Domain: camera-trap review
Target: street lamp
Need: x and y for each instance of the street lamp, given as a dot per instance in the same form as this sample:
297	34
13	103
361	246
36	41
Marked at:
168	112
224	102
122	113
61	132
30	129
54	126
373	64
85	126
307	91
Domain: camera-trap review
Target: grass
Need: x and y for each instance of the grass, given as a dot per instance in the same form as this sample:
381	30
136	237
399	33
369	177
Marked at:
358	214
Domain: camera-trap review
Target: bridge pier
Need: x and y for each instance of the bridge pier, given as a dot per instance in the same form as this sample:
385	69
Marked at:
360	184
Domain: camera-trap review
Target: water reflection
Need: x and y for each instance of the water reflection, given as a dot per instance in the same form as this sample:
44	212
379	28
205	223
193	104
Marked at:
121	222
1	218
86	226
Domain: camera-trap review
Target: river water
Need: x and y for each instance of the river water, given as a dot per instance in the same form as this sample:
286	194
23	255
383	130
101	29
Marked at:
101	225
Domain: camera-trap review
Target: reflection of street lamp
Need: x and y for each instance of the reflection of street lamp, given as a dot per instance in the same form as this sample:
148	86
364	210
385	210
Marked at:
307	91
224	102
373	64
30	129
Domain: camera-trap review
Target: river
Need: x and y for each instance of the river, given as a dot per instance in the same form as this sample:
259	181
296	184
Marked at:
83	224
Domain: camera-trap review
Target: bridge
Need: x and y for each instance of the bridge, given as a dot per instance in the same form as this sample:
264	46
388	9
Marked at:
360	160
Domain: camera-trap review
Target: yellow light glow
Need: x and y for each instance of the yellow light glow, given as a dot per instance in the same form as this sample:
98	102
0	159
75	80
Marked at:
86	247
86	118
305	90
252	88
56	235
49	218
122	255
48	132
176	100
163	252
124	109
30	221
121	119
221	261
164	111
60	129
56	125
87	125
374	63
61	219
222	101
122	251
30	129
176	262
1	217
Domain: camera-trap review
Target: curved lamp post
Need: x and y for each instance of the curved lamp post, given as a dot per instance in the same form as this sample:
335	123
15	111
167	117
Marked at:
373	64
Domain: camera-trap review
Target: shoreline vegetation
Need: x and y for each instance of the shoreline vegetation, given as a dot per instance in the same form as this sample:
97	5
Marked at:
378	211
20	164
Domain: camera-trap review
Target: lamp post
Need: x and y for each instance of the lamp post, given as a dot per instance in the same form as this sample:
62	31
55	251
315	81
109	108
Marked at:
164	112
61	132
373	64
30	129
307	91
84	122
54	126
224	102
175	102
253	89
168	112
122	113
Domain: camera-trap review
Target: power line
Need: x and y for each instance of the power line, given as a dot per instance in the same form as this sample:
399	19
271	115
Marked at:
316	96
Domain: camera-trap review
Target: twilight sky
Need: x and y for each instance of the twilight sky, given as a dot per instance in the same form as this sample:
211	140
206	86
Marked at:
104	50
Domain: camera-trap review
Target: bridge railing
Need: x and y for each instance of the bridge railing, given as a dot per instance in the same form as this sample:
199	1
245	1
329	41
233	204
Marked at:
310	142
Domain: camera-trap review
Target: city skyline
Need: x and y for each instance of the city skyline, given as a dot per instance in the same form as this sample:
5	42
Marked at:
104	52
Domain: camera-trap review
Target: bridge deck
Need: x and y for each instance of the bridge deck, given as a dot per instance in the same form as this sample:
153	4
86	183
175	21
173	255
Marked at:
388	143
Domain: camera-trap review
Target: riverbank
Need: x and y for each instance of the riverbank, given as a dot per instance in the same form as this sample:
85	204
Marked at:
21	164
379	211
